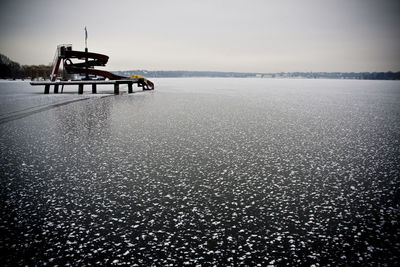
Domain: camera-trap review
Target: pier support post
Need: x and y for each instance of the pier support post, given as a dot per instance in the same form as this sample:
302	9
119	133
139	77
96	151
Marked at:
116	88
94	88
56	88
80	89
47	88
130	91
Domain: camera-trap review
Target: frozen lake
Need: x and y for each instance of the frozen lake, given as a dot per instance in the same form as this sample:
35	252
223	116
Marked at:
221	172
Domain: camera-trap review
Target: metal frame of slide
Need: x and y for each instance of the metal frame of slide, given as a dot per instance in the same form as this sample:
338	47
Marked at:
65	53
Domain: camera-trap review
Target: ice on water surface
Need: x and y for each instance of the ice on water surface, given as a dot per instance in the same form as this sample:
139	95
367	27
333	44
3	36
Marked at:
206	171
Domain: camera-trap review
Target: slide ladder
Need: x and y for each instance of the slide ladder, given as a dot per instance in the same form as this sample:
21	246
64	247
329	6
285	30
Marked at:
56	66
60	51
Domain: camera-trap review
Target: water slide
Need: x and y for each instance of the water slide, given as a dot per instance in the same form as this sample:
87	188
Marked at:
90	60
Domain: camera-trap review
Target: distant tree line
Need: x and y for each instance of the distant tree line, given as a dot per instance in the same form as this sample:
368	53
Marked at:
37	71
340	75
10	69
309	75
13	70
183	74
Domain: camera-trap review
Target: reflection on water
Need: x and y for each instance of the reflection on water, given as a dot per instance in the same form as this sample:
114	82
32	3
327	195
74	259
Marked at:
207	171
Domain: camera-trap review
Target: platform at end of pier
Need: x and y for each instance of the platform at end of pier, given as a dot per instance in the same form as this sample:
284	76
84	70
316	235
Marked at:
93	83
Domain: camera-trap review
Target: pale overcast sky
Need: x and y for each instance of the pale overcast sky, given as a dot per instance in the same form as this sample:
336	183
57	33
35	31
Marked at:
216	35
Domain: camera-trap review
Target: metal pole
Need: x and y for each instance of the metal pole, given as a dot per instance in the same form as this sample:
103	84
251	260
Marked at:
47	88
80	89
86	36
86	63
116	88
86	57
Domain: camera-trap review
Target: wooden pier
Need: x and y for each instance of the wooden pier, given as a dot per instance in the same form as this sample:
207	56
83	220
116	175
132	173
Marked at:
93	84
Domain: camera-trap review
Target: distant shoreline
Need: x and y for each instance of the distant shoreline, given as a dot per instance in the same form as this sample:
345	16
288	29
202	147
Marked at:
307	75
13	70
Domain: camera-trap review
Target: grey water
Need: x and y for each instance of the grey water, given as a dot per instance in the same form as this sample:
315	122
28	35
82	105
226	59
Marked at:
202	171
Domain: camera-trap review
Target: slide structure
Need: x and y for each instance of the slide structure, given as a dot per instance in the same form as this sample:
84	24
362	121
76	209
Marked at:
65	54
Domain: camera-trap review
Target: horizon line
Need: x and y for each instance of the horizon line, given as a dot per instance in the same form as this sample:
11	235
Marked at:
249	72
